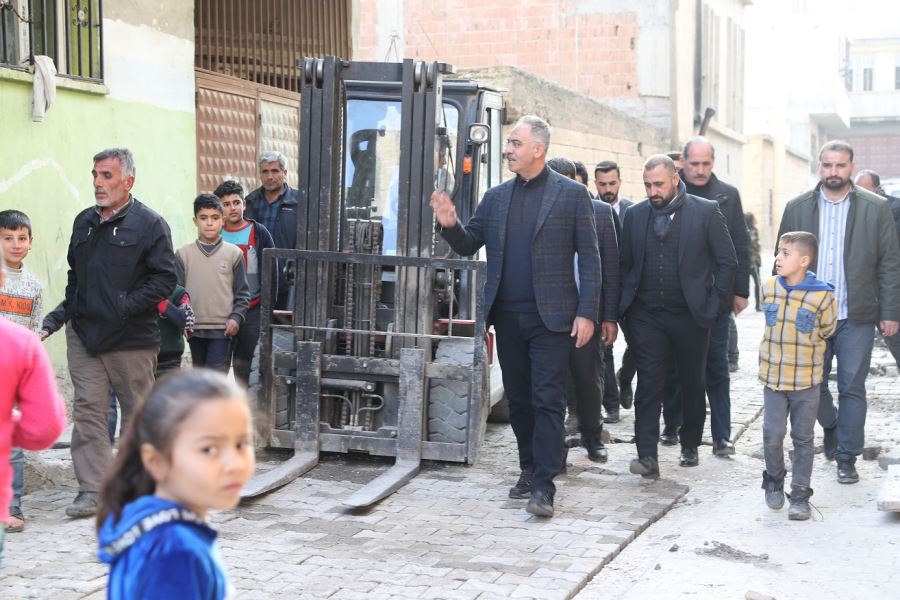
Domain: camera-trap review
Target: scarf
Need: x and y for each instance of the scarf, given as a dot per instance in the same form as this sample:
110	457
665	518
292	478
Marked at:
662	215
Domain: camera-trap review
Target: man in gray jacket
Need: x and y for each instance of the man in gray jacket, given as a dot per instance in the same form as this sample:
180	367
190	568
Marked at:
860	256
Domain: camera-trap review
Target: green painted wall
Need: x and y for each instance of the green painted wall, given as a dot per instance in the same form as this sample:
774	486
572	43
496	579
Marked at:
45	170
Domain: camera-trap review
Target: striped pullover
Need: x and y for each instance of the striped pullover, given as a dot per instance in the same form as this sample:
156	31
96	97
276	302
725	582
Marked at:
21	298
799	319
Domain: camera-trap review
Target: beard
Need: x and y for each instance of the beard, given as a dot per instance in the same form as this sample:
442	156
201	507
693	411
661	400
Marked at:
660	201
835	183
608	197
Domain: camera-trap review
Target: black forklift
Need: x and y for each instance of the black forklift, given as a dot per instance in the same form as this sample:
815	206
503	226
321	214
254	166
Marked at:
384	349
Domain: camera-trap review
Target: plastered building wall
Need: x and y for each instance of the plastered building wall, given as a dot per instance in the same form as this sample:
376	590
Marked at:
145	103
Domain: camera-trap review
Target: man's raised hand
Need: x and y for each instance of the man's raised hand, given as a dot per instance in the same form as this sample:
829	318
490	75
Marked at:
443	208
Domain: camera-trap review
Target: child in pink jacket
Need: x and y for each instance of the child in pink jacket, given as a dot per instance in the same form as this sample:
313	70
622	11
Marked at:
27	384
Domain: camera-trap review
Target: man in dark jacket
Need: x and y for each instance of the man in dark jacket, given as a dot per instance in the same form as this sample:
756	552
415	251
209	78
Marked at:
275	205
252	238
586	382
532	227
677	269
870	180
859	256
616	386
699	160
121	264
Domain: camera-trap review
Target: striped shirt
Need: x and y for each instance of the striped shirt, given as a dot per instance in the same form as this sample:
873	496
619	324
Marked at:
830	262
798	321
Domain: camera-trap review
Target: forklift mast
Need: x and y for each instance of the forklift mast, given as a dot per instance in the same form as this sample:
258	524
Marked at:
383	350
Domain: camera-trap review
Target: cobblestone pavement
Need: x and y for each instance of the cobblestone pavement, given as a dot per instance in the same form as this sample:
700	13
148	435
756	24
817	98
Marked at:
450	533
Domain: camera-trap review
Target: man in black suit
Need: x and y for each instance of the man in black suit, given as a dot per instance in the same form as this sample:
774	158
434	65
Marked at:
616	387
532	227
585	389
678	266
699	159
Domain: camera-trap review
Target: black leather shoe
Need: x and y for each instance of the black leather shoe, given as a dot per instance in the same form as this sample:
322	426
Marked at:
846	472
829	442
522	489
723	448
596	451
612	416
669	436
541	504
626	396
689	457
646	467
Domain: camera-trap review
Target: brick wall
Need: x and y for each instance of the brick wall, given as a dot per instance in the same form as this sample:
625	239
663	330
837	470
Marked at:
594	54
582	128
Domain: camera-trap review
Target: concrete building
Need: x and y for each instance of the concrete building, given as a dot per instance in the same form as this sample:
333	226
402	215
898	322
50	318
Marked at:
795	100
659	61
873	80
136	89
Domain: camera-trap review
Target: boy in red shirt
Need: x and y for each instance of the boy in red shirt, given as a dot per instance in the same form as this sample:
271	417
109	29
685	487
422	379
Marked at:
252	238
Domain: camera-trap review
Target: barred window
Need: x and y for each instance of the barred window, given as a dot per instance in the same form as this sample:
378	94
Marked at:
68	31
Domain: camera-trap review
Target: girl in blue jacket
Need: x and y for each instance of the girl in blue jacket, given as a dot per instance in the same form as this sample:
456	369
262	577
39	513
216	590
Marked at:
187	449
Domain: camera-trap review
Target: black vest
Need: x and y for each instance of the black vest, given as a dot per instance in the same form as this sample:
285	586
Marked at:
660	284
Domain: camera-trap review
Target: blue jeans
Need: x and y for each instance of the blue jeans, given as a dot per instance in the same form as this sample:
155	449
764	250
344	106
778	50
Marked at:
17	461
852	345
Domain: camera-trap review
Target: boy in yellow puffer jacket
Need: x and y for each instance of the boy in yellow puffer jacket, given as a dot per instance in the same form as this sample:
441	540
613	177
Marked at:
801	313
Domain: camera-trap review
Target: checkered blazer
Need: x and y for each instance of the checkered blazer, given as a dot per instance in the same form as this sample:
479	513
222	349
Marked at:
792	351
565	225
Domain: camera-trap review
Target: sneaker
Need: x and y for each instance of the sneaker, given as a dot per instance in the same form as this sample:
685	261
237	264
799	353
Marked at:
84	505
846	472
626	396
829	442
774	490
646	467
722	448
799	499
541	504
522	489
669	436
689	457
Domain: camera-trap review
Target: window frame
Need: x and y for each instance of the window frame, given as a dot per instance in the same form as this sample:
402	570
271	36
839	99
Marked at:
76	55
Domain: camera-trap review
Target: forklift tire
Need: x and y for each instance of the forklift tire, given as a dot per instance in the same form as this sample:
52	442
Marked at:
448	401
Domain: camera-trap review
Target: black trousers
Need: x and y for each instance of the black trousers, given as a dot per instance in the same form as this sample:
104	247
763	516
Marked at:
655	337
586	370
629	366
244	345
534	362
754	275
610	385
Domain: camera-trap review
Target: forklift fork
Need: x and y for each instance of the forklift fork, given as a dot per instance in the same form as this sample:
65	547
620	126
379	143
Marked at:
306	425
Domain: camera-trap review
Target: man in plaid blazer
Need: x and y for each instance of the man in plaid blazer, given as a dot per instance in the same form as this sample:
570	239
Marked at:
532	227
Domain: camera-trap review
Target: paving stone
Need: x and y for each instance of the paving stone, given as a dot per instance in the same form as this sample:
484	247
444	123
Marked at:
889	458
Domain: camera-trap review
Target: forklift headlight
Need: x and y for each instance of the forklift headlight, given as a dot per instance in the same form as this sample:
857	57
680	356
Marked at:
479	133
